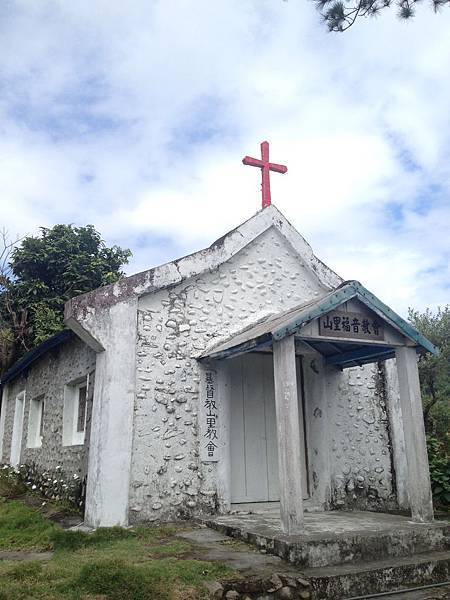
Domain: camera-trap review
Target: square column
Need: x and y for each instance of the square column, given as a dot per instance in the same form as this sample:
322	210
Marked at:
288	435
419	487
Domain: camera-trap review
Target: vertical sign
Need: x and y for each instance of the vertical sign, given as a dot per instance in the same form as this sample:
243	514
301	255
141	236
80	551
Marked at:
209	443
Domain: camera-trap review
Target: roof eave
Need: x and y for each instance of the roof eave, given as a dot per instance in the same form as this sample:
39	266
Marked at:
347	291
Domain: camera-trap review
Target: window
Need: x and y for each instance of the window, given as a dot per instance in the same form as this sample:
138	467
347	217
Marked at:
81	408
16	441
36	423
75	410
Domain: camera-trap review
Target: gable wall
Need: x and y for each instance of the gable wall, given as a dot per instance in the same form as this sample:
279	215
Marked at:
167	476
47	377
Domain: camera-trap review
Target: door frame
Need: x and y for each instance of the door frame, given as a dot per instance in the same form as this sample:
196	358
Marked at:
17	432
225	472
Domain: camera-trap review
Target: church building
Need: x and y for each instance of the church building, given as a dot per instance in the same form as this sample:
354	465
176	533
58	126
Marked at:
244	374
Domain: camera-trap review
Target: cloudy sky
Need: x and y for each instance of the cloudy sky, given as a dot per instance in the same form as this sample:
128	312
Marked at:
134	116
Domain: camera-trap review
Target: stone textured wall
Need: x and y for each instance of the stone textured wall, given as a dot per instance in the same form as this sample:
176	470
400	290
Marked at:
174	324
360	444
168	478
47	376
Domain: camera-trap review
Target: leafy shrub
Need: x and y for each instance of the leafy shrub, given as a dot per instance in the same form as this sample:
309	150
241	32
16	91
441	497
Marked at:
439	462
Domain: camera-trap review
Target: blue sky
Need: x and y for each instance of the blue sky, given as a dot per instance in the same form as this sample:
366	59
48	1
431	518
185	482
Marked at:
135	117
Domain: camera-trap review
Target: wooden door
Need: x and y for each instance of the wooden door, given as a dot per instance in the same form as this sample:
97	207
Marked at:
253	432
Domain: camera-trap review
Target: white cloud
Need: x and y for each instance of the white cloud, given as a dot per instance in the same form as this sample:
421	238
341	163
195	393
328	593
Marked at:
135	117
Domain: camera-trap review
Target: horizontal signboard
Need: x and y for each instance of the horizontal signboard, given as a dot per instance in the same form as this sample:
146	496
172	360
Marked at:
351	325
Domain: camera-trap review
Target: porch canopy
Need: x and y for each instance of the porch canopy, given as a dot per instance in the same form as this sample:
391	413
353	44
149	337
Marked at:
366	331
348	327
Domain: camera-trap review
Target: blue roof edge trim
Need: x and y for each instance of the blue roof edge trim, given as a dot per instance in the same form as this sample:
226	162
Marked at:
347	291
33	355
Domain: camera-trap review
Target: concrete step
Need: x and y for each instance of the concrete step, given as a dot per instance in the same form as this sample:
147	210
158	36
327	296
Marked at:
362	578
404	538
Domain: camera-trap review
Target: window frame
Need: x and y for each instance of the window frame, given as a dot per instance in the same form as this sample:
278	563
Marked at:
72	436
36	414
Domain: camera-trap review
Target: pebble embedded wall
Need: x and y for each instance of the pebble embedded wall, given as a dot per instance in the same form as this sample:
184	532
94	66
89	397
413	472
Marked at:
48	376
168	478
175	324
360	444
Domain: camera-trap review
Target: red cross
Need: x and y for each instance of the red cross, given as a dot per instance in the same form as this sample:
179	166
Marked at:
265	167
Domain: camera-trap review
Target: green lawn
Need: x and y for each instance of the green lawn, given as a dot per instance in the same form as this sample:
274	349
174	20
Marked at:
112	563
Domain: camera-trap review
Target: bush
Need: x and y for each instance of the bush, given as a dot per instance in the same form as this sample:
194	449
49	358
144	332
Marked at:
439	462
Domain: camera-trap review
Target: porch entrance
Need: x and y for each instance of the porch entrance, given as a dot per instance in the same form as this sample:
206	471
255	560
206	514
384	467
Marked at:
253	430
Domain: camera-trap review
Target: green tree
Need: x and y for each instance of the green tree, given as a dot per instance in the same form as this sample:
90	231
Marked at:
40	273
339	15
435	370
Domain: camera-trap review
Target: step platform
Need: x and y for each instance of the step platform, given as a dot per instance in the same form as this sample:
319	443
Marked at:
349	554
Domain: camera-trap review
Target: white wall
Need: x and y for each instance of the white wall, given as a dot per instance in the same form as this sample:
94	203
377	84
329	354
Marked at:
174	324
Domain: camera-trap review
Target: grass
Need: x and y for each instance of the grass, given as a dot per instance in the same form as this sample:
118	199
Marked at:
110	564
22	528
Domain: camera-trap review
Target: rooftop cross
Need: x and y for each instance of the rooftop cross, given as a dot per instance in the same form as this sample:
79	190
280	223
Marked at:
265	167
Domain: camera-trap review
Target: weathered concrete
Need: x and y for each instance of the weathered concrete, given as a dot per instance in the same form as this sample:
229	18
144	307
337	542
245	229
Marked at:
397	437
359	442
109	466
349	436
345	581
318	429
419	487
175	324
288	435
256	575
433	592
202	262
336	537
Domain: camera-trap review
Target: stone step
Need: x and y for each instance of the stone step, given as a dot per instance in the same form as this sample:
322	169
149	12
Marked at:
321	550
360	578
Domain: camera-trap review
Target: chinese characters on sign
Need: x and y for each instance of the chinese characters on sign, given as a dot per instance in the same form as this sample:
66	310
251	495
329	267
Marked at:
210	435
351	325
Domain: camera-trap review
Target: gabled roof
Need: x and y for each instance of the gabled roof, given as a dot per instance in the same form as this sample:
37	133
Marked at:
277	327
203	261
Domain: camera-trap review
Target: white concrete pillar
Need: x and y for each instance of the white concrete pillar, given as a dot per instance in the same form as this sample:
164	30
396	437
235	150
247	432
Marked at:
111	439
288	434
396	430
419	488
317	427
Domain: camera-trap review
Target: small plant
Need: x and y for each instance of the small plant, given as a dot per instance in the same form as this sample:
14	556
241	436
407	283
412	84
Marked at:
52	484
439	462
11	485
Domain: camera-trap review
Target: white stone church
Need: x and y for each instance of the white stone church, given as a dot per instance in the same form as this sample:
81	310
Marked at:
246	373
